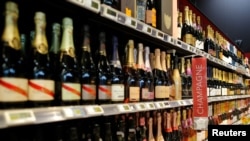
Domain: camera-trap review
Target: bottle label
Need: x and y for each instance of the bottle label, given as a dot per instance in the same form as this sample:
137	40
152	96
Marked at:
212	91
117	91
71	91
208	92
140	12
104	92
134	93
128	12
13	89
177	85
179	32
145	93
188	38
168	90
160	91
40	90
149	15
88	92
199	44
153	17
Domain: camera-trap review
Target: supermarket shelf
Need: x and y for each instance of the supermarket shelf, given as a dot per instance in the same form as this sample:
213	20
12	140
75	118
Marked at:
136	25
239	122
28	116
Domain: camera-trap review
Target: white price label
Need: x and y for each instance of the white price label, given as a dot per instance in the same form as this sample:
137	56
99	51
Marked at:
121	18
166	38
124	108
174	103
139	26
94	110
150	106
19	117
181	102
159	105
160	35
192	49
147	29
73	112
166	105
153	32
131	22
185	46
140	107
110	13
93	5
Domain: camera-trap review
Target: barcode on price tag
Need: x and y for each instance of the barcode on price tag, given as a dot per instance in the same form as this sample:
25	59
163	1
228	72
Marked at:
124	108
159	105
19	117
140	107
94	110
150	106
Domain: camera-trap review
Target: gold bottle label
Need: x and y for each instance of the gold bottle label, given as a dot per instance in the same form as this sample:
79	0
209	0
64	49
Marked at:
154	17
188	38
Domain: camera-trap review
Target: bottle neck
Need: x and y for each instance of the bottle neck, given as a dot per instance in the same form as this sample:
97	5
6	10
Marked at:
67	46
11	34
55	44
157	61
130	55
140	62
115	59
163	61
186	16
182	66
147	61
40	40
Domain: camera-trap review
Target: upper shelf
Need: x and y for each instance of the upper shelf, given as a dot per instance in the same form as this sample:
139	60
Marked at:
17	117
136	25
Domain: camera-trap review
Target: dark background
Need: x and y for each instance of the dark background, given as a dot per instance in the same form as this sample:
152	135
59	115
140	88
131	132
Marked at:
232	17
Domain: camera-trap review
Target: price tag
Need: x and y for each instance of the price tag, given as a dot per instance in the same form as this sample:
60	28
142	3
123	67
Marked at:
211	58
159	105
153	32
178	43
160	35
174	103
192	49
92	5
147	29
140	107
181	103
94	110
121	18
166	38
130	22
198	52
123	108
191	101
111	14
166	104
206	55
185	46
150	106
139	26
19	117
188	102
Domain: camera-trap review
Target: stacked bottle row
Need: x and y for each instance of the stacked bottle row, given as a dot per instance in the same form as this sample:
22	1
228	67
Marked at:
207	38
228	112
169	125
222	83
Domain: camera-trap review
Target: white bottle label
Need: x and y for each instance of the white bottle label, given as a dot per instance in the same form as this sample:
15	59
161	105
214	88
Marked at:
117	91
41	90
179	32
134	93
104	92
88	92
13	89
71	91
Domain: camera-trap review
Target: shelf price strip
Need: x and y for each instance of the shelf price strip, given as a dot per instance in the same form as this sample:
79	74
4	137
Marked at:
124	108
92	5
19	117
94	110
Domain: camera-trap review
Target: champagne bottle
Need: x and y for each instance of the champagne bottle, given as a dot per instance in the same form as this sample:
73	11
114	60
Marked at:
107	132
149	76
189	77
184	79
177	80
88	71
142	129
186	33
167	89
13	81
41	85
141	73
159	136
150	130
158	77
132	90
117	82
120	131
131	129
179	25
96	132
104	76
69	87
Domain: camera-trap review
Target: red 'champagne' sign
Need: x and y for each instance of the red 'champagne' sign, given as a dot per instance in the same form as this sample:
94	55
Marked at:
199	87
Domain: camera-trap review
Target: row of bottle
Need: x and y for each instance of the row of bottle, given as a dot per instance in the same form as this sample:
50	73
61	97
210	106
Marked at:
192	32
222	83
169	125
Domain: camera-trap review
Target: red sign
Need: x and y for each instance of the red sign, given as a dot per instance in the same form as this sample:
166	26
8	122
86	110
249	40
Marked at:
199	87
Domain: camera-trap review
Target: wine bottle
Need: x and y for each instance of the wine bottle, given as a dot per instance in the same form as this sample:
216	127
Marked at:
150	130
159	136
69	87
131	129
149	76
158	77
13	81
179	25
141	73
104	74
186	34
169	74
120	130
132	89
200	36
41	85
177	80
183	79
140	10
88	70
189	77
117	82
174	125
107	132
142	129
72	134
167	89
96	132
